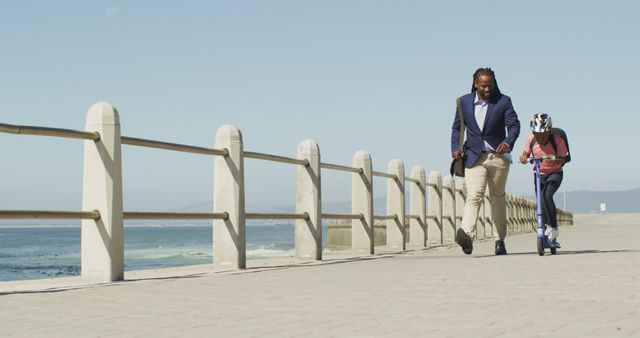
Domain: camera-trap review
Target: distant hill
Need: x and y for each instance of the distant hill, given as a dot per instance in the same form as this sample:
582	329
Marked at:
380	205
585	201
580	201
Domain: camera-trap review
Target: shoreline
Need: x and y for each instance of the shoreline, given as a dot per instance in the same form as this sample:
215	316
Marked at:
201	270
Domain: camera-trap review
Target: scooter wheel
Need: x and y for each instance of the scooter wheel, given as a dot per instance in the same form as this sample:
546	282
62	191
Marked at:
553	251
540	246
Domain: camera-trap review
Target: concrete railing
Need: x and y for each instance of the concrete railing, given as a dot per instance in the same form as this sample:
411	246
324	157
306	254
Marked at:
435	204
443	208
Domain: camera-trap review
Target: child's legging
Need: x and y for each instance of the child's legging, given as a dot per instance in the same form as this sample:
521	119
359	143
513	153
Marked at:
549	184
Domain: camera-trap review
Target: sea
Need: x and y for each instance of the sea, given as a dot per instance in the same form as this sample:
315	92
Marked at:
42	249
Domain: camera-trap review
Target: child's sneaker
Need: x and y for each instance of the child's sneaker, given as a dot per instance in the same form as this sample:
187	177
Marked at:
551	233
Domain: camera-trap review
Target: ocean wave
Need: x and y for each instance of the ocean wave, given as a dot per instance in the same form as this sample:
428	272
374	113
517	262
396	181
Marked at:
270	245
254	253
154	254
266	252
18	272
188	255
40	256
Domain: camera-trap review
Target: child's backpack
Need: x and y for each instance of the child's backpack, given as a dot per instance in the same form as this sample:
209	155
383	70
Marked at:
561	133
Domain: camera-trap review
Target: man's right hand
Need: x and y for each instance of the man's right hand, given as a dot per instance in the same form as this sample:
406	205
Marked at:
457	154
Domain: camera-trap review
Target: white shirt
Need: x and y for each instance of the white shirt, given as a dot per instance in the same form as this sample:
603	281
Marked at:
480	111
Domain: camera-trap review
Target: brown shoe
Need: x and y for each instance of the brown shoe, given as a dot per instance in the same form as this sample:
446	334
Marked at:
465	242
500	248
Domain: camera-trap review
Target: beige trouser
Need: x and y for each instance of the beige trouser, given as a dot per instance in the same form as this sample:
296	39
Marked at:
491	169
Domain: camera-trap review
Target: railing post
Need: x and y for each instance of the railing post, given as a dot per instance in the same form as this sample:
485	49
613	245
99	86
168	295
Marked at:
448	209
517	214
533	213
560	217
395	206
522	223
434	209
309	200
514	212
519	219
418	207
523	216
102	240
523	220
362	236
527	215
229	235
461	197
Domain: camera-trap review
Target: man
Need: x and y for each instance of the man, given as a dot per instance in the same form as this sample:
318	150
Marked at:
492	127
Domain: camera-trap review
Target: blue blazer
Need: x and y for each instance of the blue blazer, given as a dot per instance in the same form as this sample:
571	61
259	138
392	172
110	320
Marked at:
501	125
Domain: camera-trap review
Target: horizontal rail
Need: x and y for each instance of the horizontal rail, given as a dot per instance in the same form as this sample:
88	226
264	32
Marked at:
379	174
432	217
451	191
174	215
304	216
411	179
172	146
343	216
412	216
47	214
433	185
341	168
275	158
385	217
45	131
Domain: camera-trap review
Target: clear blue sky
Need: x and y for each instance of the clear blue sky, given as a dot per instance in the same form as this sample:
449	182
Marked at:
375	75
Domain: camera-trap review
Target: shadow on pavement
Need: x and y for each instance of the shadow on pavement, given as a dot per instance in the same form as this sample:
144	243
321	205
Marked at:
580	252
561	253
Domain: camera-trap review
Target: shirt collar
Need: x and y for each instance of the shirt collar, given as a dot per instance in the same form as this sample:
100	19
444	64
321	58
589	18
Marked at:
476	100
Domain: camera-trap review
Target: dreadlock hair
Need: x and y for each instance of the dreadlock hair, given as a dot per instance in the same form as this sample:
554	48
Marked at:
486	71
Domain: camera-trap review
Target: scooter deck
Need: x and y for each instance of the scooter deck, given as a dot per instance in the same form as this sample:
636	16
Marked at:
550	244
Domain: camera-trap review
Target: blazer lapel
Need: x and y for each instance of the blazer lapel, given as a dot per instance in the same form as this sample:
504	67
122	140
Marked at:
470	114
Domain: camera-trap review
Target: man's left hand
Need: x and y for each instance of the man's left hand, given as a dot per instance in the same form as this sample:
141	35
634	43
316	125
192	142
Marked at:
502	148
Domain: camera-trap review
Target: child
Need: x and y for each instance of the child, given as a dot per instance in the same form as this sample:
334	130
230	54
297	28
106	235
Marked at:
542	145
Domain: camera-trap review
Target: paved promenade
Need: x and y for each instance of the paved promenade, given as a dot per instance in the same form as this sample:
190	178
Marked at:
590	289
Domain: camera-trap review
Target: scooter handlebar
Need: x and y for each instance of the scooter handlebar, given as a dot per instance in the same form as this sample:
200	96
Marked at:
542	159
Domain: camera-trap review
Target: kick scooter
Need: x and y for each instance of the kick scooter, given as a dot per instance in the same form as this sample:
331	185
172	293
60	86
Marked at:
542	240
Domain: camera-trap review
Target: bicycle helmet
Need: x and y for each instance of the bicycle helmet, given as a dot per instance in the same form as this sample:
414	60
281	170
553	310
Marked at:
540	123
